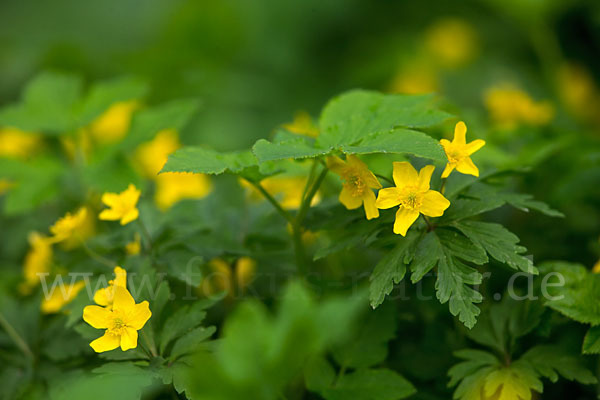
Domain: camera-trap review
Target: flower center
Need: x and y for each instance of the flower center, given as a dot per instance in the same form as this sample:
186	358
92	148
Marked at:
355	184
411	198
118	326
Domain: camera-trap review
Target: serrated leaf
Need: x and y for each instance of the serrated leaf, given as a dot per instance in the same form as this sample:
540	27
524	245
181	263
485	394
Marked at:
498	242
370	384
297	148
551	361
525	202
427	254
184	320
591	343
205	161
189	343
390	270
474	361
460	246
512	383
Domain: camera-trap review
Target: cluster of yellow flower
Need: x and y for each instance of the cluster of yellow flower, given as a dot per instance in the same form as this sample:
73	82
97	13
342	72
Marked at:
510	106
412	192
118	314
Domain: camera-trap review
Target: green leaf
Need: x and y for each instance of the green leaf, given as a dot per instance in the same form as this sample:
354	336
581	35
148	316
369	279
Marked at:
525	202
354	115
427	255
182	321
369	345
370	384
190	342
391	269
205	161
399	141
460	246
47	104
591	343
318	374
297	148
551	361
474	360
498	242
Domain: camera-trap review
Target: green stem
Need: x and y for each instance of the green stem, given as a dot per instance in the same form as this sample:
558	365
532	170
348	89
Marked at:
385	178
14	335
102	260
274	202
430	226
443	187
309	197
146	235
150	344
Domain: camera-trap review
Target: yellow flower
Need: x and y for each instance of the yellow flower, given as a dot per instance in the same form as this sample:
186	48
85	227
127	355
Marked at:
451	42
417	77
123	206
69	226
121	322
114	123
15	143
61	296
37	261
287	189
104	296
172	187
302	125
244	272
596	269
579	91
220	276
413	195
86	229
152	156
459	151
357	184
509	107
134	247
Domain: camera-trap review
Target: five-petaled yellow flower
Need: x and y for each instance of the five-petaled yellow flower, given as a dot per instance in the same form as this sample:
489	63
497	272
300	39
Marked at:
413	195
459	151
69	226
105	296
121	322
358	183
123	206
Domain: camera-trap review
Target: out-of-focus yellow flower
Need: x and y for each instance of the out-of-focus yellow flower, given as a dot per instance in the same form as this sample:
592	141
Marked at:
123	206
302	125
37	261
413	195
61	296
415	78
69	226
459	152
77	145
86	230
5	185
152	155
596	268
358	182
105	296
221	277
16	143
172	187
451	42
509	106
114	123
579	91
121	322
287	189
135	246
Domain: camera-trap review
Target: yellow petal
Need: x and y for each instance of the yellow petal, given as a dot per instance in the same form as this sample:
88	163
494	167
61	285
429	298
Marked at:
354	161
131	215
106	343
448	170
371	180
120	277
139	315
109	215
349	201
475	145
434	204
466	166
388	198
369	203
129	339
102	297
404	219
110	199
445	143
405	174
425	177
460	133
123	300
98	317
336	164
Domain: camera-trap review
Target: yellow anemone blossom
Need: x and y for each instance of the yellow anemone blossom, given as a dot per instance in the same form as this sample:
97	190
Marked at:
69	226
104	296
18	144
172	187
358	183
452	42
416	77
509	106
123	206
37	261
114	123
579	91
61	296
121	322
86	229
413	195
135	246
302	125
459	151
221	277
152	156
